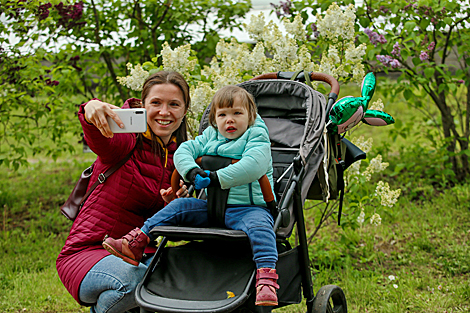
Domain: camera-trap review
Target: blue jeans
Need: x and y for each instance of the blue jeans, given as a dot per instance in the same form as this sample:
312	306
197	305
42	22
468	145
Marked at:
255	221
111	283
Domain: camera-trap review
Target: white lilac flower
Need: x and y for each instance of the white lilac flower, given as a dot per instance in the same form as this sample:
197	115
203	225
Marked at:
333	54
178	59
256	26
136	79
363	144
377	105
360	218
337	25
296	28
201	97
375	219
387	197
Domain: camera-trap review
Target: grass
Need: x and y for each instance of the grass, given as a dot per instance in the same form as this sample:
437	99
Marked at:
423	244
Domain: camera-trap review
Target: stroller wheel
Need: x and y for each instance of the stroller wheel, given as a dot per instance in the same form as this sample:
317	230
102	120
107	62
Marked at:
330	299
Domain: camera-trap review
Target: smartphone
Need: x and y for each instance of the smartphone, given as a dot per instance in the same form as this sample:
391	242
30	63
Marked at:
135	121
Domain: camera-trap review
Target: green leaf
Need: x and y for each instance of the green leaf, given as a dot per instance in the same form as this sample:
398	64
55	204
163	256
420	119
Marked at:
429	72
416	61
408	94
409	26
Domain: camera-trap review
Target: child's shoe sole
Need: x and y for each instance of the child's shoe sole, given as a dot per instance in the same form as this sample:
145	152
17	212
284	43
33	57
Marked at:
118	254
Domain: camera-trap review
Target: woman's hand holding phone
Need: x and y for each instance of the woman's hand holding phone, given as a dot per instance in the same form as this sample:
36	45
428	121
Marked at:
96	112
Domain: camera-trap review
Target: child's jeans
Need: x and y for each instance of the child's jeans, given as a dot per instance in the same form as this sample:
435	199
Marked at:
255	221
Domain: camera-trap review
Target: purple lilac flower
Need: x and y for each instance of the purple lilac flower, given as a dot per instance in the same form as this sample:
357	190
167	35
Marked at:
396	49
388	61
69	14
395	63
384	9
43	11
283	9
431	46
315	31
374	37
423	56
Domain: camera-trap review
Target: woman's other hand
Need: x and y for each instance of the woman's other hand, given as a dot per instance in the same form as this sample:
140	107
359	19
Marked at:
96	112
167	194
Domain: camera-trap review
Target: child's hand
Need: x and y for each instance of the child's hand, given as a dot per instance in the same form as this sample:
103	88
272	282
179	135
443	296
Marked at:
191	175
167	194
211	180
201	182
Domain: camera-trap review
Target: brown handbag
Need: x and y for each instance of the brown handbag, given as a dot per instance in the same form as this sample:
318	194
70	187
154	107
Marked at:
79	194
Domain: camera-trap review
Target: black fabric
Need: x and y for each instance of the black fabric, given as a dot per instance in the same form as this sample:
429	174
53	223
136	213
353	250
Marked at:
284	131
282	159
216	197
203	271
353	153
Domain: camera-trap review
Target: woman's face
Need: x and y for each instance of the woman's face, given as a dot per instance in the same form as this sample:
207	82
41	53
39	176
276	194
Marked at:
165	110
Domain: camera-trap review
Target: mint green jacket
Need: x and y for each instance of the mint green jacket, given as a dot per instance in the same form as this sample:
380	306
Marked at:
253	149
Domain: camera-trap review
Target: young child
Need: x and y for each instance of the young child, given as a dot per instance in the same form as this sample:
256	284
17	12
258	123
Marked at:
237	132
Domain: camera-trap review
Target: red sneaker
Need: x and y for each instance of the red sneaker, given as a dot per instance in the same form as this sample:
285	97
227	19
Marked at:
130	248
266	285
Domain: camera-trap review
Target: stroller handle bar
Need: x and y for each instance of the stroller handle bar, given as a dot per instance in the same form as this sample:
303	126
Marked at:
263	182
313	76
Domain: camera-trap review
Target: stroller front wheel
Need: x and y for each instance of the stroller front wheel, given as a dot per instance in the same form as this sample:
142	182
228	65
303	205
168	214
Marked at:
330	299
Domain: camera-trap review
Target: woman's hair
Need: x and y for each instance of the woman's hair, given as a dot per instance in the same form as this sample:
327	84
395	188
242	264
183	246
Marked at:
224	98
175	78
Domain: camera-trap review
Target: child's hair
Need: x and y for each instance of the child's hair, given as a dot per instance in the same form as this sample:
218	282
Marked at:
224	98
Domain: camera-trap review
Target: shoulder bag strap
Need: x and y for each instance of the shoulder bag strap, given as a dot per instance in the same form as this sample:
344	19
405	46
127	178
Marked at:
103	176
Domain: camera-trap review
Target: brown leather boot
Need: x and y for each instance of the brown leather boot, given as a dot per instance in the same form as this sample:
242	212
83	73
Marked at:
130	247
266	285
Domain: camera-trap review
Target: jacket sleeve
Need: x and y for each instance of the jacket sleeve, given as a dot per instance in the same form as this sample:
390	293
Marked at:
110	150
255	162
189	151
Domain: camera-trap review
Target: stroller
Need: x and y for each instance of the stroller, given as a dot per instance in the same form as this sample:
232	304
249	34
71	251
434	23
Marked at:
213	270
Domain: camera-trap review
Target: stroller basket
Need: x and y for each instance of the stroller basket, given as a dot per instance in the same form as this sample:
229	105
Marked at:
194	277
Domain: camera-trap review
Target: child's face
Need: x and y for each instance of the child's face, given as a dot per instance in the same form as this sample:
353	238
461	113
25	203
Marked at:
232	122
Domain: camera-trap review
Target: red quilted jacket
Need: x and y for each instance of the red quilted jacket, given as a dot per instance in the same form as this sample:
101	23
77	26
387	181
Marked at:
127	198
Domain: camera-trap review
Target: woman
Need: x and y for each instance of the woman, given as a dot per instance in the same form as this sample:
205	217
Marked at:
133	193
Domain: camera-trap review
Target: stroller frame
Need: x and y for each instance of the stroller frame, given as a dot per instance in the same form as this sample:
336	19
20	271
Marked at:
329	298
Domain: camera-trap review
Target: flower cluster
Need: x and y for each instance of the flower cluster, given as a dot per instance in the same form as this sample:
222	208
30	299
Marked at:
388	61
374	37
337	25
201	96
375	219
387	197
136	79
375	166
377	105
70	14
178	59
424	53
337	28
43	11
396	49
283	9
